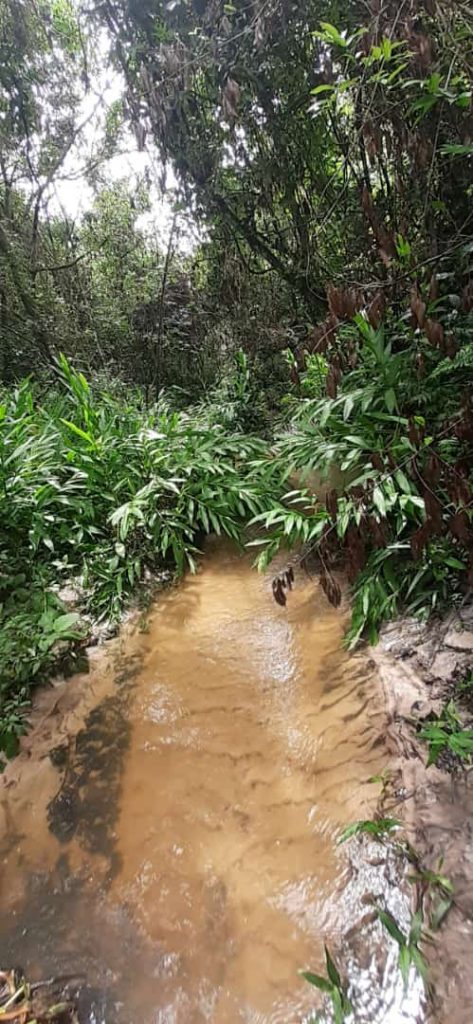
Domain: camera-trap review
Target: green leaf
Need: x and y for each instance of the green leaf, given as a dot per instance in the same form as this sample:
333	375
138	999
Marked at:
403	481
419	962
390	399
78	430
332	970
405	965
332	35
347	1007
391	926
317	980
440	911
321	88
379	500
462	743
456	149
360	442
415	930
377	828
454	563
64	623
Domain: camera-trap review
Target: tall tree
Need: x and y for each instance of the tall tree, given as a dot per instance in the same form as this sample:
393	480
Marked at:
224	92
45	66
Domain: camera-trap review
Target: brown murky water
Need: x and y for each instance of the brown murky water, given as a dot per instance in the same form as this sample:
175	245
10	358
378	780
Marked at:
170	830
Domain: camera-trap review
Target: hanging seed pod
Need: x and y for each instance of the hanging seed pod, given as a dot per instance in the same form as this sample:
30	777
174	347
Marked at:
433	469
413	432
312	339
464	464
422	45
330	329
331	589
365	45
351	303
327	544
376	310
463	429
459	526
356	548
278	591
376	461
379	532
331	503
433	510
420	364
386	244
459	487
435	333
467	297
321	340
230	99
418	307
420	539
335	301
451	346
331	385
433	288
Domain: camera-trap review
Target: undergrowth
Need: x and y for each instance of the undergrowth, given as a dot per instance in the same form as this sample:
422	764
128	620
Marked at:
444	734
100	491
390	454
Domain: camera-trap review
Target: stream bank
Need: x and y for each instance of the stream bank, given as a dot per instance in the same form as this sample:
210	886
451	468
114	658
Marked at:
419	668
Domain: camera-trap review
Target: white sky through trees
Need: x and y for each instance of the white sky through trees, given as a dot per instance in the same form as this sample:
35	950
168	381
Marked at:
72	194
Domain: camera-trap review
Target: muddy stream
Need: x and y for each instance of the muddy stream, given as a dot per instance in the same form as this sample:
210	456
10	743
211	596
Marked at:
169	829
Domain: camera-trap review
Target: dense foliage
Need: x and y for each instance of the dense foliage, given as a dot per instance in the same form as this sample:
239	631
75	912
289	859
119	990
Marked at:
324	151
360	201
99	491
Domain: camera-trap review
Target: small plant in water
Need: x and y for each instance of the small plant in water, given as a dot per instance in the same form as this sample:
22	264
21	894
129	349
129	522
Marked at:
440	889
409	952
444	732
377	828
385	779
333	987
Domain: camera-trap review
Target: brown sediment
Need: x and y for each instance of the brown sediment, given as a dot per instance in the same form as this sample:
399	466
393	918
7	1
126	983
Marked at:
169	829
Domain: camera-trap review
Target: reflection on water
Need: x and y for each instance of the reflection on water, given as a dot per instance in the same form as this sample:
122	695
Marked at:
175	842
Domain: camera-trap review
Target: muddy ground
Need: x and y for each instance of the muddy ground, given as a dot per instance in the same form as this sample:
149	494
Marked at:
421	666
